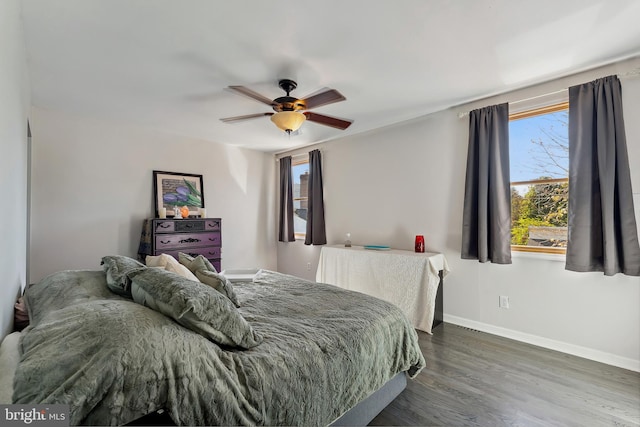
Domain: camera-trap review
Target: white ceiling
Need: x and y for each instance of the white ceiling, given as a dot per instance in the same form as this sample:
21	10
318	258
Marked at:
165	63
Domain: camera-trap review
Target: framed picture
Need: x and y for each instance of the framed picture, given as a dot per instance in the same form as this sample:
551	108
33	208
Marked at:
178	189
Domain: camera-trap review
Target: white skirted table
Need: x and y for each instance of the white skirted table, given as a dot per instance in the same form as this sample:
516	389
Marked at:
407	279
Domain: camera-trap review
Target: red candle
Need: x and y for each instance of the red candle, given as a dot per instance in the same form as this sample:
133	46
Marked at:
419	243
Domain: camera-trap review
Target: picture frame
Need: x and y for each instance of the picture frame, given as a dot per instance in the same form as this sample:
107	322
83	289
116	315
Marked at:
178	189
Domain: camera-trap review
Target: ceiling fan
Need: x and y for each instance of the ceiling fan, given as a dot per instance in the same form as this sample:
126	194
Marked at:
291	112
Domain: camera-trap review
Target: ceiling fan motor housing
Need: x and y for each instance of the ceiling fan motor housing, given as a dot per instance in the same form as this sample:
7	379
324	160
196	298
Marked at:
288	103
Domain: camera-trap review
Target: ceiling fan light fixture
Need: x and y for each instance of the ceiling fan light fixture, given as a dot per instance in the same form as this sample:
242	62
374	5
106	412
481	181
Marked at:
291	112
288	121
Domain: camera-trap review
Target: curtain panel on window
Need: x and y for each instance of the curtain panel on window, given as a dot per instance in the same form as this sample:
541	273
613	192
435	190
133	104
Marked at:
316	234
486	227
286	233
603	234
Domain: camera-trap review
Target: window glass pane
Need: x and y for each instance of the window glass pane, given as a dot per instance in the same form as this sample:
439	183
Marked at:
300	193
539	150
539	214
539	147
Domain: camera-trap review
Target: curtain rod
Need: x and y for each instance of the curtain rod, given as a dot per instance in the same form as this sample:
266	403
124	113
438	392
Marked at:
635	72
295	157
466	113
539	96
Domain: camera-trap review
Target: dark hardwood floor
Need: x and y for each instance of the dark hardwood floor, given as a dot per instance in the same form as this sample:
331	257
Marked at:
477	379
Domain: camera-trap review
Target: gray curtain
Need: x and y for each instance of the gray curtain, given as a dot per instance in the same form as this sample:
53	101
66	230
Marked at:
602	227
316	234
286	233
486	222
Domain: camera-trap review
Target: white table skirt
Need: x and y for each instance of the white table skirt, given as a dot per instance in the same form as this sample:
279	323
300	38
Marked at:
407	279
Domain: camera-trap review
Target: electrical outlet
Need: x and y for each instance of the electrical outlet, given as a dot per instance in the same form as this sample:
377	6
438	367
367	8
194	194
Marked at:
308	266
504	302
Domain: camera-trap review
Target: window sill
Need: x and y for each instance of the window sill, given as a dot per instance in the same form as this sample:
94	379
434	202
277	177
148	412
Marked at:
539	255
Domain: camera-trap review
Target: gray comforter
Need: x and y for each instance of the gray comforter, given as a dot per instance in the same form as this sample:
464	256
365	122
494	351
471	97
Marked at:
112	360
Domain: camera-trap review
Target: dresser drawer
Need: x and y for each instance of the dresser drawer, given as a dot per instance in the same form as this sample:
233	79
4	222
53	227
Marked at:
209	253
187	240
185	225
212	225
164	227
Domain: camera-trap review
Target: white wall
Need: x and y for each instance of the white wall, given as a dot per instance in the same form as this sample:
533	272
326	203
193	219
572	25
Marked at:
14	109
387	186
92	188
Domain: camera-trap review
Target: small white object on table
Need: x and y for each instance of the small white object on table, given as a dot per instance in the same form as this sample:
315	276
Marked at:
406	279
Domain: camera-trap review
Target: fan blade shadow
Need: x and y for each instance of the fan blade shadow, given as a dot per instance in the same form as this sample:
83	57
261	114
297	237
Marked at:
245	117
242	90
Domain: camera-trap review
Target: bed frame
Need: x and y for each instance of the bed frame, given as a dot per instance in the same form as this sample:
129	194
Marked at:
365	411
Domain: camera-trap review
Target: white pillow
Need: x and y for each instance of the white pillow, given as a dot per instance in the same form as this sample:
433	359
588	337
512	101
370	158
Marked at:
171	264
180	270
158	261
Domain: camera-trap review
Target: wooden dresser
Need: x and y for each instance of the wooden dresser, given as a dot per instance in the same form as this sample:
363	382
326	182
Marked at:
193	236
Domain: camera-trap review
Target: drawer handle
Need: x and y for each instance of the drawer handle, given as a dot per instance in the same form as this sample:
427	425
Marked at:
215	239
193	255
164	225
188	226
189	240
212	253
164	243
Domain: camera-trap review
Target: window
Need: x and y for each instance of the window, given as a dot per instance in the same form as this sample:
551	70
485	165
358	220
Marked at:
300	171
539	168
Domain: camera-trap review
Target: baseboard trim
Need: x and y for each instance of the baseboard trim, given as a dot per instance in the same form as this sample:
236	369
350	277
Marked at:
576	350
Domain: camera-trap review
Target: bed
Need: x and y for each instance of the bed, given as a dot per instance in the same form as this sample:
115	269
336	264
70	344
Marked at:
307	353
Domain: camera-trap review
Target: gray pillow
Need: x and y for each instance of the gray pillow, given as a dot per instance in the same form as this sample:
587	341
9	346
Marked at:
119	270
207	274
219	283
187	261
194	306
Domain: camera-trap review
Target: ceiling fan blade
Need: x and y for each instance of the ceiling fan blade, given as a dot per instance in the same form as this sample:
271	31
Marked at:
251	94
245	117
334	122
324	97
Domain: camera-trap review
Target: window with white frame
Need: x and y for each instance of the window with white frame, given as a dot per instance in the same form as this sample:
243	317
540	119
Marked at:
300	171
539	168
